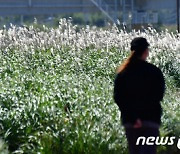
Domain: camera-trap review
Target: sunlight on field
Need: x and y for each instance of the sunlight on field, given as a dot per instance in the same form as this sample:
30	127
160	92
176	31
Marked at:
56	87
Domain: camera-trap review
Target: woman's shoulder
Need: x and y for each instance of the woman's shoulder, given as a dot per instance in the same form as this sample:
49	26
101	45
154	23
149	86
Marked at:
153	68
119	75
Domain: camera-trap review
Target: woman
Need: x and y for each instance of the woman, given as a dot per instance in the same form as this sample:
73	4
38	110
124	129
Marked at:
138	89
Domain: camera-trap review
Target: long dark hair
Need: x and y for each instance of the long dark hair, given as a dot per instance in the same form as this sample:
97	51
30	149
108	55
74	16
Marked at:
132	57
138	46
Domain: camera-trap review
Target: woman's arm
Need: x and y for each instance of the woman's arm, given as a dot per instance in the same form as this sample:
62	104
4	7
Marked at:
118	91
159	89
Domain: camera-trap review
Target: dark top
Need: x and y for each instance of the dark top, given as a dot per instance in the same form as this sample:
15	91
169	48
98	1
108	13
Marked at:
138	91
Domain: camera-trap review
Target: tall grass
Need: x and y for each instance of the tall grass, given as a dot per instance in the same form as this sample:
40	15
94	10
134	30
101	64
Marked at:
56	88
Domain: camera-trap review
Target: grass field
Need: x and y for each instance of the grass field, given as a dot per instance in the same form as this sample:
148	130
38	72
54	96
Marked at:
56	88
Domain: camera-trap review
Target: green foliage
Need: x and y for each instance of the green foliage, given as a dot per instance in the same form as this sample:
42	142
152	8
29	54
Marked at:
56	97
3	147
98	19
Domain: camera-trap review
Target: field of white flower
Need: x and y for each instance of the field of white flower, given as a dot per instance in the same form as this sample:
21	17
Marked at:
56	88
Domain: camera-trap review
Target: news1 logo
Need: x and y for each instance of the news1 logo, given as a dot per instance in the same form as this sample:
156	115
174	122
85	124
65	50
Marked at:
151	140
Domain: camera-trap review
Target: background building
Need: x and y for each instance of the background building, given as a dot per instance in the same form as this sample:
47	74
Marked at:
131	12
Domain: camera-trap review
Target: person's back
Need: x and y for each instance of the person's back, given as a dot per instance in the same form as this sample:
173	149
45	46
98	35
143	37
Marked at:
138	92
138	89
